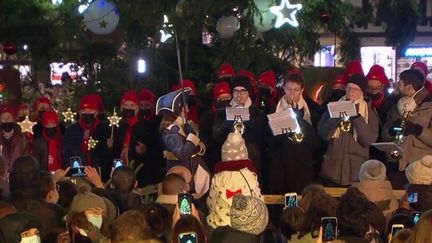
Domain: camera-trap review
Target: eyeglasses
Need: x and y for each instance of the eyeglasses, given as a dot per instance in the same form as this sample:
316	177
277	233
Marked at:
240	91
95	211
373	89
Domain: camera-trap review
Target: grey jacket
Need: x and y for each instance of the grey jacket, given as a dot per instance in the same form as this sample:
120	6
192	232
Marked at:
414	148
344	155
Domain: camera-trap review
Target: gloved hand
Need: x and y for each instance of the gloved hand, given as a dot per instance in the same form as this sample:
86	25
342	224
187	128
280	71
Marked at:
189	129
412	129
299	112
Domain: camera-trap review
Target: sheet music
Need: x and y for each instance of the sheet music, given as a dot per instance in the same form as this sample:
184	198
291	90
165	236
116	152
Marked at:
388	147
236	113
339	109
283	122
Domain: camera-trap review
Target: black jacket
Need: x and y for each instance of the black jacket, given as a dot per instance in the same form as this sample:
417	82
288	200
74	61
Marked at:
100	155
227	234
147	132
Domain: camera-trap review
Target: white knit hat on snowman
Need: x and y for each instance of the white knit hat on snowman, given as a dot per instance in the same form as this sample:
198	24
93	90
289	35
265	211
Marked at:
234	148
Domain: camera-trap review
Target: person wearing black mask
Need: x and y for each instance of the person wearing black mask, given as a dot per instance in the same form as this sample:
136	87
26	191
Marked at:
47	148
146	146
266	99
39	106
120	138
337	91
12	141
87	138
221	100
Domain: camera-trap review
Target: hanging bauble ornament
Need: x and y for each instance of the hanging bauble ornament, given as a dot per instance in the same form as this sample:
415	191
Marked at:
226	26
101	17
263	5
9	48
324	16
264	22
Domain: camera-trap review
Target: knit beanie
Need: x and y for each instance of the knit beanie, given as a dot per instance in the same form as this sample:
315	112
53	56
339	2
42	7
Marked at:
420	171
86	199
234	148
242	81
248	214
360	81
372	170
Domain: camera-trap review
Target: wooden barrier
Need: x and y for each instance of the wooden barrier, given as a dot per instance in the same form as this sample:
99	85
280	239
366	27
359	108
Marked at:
332	191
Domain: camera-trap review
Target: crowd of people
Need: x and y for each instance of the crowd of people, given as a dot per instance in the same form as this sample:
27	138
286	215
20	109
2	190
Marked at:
82	182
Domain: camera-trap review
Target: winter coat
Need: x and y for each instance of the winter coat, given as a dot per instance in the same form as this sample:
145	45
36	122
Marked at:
100	155
253	135
290	159
230	178
227	234
345	155
123	201
13	147
380	193
153	170
414	147
213	147
183	149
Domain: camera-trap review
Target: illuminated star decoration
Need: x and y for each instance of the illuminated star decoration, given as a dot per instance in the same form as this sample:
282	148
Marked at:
165	35
103	24
114	119
91	143
27	125
284	10
68	115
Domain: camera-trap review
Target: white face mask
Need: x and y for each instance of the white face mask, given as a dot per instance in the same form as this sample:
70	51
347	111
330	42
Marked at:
31	239
96	220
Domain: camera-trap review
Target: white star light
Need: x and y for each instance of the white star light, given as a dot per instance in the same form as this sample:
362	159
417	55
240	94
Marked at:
283	10
164	34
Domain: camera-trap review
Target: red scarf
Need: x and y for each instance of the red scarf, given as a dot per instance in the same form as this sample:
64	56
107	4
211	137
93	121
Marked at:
127	138
377	103
55	161
88	131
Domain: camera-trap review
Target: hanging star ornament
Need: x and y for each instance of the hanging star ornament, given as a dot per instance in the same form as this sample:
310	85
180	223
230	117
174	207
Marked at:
91	143
27	125
286	13
68	115
114	119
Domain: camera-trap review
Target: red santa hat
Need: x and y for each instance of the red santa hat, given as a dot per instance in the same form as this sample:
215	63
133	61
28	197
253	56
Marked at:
90	102
248	74
129	95
295	71
41	100
49	117
98	99
421	66
376	72
23	106
147	95
8	109
340	79
220	89
226	70
269	78
354	67
186	83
